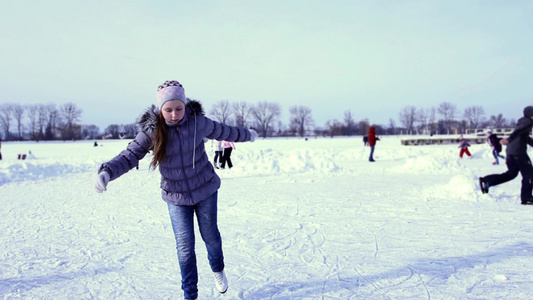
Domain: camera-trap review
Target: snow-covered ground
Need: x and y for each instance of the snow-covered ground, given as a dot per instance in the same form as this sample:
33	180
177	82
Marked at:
299	220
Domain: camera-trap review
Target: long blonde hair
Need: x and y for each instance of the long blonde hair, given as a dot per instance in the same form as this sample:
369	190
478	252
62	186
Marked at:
159	142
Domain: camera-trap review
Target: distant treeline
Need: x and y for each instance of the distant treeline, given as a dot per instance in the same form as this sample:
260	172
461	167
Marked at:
52	122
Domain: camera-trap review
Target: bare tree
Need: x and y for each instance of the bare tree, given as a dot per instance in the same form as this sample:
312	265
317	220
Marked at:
264	114
242	112
32	111
422	116
54	118
300	118
448	111
364	126
432	119
221	111
6	114
497	121
71	114
281	127
408	118
42	117
349	123
18	112
392	126
130	131
90	131
113	130
474	115
334	127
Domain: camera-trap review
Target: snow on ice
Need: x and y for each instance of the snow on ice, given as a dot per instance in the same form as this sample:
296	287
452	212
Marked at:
299	220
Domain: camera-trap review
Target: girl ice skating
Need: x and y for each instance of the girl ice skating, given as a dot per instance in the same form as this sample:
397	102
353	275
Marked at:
174	130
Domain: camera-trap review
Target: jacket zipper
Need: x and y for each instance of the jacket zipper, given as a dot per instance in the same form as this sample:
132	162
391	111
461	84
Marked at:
183	164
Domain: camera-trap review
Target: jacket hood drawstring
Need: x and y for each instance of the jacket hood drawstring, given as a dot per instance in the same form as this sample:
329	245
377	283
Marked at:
194	145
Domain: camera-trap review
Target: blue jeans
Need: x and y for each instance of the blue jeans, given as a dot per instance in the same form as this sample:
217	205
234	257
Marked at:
496	155
182	219
371	158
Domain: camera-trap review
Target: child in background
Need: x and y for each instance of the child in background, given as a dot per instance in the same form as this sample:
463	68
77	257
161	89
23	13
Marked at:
226	157
494	142
218	154
464	147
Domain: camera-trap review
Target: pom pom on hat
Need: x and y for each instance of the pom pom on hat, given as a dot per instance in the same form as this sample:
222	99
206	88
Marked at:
170	90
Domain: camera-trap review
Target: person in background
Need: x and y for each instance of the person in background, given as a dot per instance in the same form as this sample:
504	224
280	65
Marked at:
463	145
0	148
226	157
372	139
174	130
494	142
218	154
517	159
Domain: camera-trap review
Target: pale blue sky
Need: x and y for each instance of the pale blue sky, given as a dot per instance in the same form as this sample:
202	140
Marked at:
370	57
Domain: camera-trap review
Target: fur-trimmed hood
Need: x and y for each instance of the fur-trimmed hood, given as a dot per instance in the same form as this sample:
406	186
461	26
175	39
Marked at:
147	122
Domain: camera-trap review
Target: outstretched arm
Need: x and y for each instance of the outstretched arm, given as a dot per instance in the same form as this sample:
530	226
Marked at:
125	161
219	131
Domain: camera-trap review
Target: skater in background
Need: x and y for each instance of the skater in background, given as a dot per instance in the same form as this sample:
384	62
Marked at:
517	159
226	157
0	148
365	140
174	130
372	139
463	145
218	154
494	142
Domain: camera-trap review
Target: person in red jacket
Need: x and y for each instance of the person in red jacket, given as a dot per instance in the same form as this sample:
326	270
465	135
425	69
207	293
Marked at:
464	144
372	142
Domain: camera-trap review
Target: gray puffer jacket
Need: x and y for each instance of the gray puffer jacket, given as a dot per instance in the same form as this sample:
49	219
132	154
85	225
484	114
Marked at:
520	137
187	176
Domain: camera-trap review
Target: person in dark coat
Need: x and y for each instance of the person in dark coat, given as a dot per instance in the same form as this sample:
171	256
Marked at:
226	156
174	130
372	142
517	159
494	142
